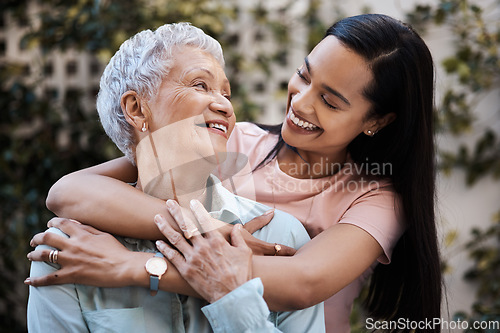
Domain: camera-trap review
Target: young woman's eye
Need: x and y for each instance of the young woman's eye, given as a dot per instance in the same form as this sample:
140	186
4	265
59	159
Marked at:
301	75
328	104
228	97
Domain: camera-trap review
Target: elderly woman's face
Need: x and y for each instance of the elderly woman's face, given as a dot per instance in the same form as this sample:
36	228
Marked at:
197	93
191	116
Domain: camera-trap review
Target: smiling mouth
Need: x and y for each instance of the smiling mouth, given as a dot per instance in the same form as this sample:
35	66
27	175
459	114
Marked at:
215	125
301	122
219	127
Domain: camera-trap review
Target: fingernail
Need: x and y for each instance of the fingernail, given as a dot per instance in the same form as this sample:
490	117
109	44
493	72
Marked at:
193	203
238	226
27	281
170	204
158	218
159	245
32	244
269	211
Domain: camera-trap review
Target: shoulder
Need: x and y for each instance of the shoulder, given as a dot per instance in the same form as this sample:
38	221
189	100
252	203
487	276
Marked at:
245	128
283	229
377	191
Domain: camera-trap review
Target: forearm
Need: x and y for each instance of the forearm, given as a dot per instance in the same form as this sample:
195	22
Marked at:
107	204
318	270
286	286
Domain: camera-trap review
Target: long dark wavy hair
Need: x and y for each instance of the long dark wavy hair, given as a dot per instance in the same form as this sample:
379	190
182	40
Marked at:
410	286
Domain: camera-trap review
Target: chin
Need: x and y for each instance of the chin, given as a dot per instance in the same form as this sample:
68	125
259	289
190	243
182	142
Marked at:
288	135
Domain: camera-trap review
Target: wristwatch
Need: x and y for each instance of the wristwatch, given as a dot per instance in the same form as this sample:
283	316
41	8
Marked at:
156	267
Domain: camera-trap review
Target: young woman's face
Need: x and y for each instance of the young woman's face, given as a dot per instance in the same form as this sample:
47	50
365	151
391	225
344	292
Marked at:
326	108
193	107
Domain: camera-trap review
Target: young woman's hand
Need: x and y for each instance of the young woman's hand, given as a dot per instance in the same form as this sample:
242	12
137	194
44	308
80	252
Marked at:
87	256
199	216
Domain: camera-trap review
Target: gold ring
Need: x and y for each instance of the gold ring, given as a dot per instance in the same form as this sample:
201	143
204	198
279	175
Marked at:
277	249
192	232
51	255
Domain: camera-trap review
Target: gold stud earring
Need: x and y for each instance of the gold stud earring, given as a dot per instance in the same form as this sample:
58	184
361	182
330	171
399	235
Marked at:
144	129
370	133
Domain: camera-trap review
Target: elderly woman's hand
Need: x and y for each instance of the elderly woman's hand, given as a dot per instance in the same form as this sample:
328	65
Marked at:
86	256
199	216
211	265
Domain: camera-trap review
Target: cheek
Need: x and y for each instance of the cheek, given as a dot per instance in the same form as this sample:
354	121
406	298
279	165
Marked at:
177	104
179	96
341	124
232	122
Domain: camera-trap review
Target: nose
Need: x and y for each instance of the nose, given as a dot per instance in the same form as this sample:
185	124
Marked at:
303	101
222	105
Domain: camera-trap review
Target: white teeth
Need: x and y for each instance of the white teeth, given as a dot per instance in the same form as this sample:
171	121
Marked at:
301	123
218	126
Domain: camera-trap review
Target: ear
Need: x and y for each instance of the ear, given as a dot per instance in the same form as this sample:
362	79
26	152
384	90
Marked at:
379	123
133	110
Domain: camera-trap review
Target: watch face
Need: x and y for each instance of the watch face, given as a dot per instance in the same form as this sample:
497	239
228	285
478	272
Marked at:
156	266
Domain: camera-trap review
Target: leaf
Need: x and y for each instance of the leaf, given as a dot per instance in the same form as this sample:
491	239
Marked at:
450	64
450	238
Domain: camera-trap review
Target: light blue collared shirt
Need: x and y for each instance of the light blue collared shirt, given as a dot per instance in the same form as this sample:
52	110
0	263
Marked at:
80	308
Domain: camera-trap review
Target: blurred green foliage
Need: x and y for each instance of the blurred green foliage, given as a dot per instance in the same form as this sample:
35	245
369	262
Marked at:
43	138
475	66
484	250
32	159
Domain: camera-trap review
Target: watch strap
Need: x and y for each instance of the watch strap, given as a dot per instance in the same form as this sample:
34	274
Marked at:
154	281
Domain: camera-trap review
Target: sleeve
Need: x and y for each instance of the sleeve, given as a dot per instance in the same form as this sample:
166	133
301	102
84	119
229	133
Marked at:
53	308
377	212
241	310
306	320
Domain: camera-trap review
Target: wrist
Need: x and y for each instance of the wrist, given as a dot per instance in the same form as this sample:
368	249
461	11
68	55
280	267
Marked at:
134	273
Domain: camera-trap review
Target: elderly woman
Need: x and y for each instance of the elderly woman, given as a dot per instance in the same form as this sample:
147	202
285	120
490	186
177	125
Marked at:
164	101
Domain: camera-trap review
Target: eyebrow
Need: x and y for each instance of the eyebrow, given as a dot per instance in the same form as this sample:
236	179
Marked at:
202	69
328	88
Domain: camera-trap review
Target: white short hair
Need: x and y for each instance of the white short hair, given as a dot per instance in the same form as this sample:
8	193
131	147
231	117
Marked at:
140	65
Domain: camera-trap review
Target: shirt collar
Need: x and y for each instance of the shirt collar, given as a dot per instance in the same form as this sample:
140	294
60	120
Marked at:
221	203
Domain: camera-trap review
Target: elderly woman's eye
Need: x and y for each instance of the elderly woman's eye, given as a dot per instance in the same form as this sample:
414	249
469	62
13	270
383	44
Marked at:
201	85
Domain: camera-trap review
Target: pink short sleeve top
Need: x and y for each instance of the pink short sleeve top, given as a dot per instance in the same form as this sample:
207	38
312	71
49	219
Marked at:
349	196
